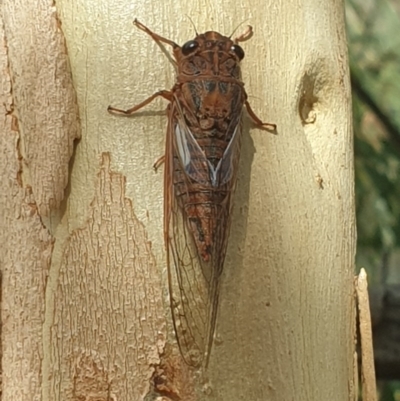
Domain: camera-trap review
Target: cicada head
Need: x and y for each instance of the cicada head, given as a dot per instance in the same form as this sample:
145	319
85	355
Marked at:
210	54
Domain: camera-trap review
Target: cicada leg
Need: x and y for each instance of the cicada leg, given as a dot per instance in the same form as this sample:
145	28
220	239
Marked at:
246	35
257	121
165	94
156	38
158	162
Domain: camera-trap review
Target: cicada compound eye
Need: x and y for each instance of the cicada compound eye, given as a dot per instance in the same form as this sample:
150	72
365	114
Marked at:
189	47
238	51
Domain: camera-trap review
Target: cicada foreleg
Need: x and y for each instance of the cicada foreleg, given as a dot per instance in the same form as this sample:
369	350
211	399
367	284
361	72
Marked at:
160	39
156	38
246	35
256	120
165	94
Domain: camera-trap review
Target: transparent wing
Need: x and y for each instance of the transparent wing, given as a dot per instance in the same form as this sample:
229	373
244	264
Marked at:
189	292
227	167
193	160
194	277
194	284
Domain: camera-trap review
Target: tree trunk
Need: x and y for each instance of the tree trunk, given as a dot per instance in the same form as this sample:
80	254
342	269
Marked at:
99	327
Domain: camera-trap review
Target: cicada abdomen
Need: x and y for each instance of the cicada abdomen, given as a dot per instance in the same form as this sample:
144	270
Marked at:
201	161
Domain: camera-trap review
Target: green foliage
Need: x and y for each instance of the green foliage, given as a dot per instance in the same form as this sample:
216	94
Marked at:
389	391
374	52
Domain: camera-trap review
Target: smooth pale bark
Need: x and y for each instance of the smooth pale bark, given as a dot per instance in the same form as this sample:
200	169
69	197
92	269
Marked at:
286	320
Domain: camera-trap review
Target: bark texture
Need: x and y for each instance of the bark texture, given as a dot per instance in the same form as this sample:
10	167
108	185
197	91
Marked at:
105	343
39	125
44	101
99	327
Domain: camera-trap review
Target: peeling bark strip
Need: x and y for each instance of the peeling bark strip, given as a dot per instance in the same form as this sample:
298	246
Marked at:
203	146
25	255
43	96
367	351
109	326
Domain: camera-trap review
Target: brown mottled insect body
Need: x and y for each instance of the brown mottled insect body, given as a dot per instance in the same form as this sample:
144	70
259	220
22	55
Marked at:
201	161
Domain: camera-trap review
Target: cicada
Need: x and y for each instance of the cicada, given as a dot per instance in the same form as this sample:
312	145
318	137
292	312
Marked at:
201	162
